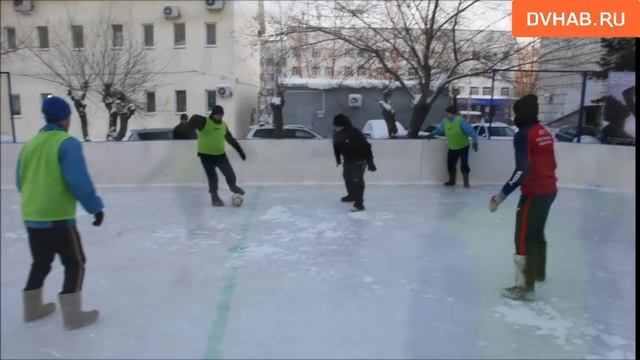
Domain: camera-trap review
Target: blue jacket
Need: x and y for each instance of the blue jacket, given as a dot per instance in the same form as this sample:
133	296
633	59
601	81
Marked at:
75	174
464	125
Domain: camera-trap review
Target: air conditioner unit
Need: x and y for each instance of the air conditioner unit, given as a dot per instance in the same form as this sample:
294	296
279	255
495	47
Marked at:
22	5
214	4
171	11
224	91
355	100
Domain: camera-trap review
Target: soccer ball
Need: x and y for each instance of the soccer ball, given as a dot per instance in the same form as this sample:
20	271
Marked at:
236	200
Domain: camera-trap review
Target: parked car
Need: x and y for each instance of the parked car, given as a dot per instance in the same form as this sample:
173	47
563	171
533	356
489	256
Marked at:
377	129
151	134
498	130
290	132
590	135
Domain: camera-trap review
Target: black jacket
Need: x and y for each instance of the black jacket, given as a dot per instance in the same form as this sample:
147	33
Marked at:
352	145
183	131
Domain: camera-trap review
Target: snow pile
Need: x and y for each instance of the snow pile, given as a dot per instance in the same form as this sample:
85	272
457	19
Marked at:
275	100
385	105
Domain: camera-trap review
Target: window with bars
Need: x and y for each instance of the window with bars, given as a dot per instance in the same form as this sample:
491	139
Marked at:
504	91
10	34
486	91
211	99
16	109
328	71
473	90
315	71
179	35
148	35
77	36
296	71
181	101
211	33
118	35
151	101
43	37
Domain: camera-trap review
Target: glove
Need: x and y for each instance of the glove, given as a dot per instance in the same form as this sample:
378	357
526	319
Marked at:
475	147
495	201
372	167
98	217
243	156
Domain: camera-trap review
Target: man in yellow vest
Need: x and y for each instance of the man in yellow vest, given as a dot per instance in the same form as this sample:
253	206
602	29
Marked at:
457	132
212	133
52	177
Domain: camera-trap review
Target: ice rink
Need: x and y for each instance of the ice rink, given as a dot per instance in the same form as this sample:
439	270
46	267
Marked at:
293	274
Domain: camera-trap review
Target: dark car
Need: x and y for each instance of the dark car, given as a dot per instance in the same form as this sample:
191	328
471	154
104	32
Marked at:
151	134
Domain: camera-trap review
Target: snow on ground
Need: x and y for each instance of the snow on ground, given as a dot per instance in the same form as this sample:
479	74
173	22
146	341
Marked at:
293	274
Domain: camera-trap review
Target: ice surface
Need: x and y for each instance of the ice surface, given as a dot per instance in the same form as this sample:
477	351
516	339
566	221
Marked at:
293	274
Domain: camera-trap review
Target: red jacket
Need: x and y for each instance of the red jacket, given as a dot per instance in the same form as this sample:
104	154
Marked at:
535	162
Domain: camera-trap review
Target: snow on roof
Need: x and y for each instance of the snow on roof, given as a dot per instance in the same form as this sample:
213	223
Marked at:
323	84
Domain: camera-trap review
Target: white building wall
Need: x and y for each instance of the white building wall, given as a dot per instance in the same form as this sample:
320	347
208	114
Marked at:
194	68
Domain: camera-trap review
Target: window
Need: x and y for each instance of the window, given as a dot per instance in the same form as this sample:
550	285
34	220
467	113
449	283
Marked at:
296	52
504	91
328	71
10	33
43	37
15	105
148	35
179	36
316	53
314	71
211	33
270	92
44	96
481	131
151	101
473	90
486	90
211	99
362	72
155	135
263	134
269	61
347	71
272	77
502	131
295	71
117	37
297	134
412	73
181	101
360	53
77	36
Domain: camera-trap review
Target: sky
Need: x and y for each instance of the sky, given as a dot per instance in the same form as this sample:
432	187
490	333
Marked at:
485	13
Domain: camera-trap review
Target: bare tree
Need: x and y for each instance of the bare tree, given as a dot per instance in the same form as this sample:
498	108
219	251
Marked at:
423	37
110	59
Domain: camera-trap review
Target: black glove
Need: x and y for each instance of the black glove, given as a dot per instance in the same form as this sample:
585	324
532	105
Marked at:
475	147
243	156
372	167
98	217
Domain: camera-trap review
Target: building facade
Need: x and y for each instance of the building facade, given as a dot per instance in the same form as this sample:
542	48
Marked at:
201	53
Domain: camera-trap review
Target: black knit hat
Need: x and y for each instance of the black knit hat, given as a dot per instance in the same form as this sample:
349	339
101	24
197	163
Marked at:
450	109
525	110
217	110
341	120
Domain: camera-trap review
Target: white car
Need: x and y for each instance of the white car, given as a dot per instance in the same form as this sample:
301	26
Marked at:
498	130
377	129
290	132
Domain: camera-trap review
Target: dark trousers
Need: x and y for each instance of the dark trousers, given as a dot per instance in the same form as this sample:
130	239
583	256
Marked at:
531	218
452	159
63	240
210	163
84	124
353	174
124	121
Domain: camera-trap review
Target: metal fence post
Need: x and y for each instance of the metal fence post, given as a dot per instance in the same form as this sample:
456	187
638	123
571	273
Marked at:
491	110
582	96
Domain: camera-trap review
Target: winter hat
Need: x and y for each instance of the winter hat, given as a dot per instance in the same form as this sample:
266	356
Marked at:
525	110
217	110
55	109
450	109
341	120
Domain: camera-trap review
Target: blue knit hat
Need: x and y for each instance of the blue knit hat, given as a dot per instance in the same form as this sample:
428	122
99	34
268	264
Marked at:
55	109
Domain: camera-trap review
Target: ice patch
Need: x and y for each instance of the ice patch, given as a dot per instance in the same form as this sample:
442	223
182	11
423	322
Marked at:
278	214
539	315
367	279
360	215
612	340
